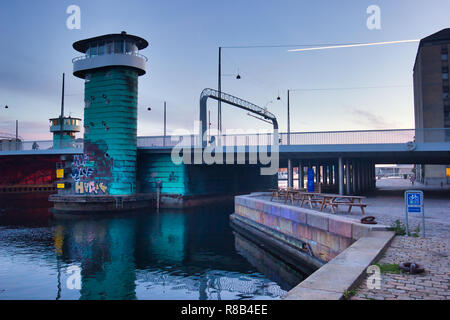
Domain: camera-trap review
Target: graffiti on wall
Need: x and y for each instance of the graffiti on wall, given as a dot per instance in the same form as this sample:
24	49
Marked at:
90	168
90	187
82	167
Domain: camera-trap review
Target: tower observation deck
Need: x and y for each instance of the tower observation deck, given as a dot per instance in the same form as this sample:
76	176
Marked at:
109	50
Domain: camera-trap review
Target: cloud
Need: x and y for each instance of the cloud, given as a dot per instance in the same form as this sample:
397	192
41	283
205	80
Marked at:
370	120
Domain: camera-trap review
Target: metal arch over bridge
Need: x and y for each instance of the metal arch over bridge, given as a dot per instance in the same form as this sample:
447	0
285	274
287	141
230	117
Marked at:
234	101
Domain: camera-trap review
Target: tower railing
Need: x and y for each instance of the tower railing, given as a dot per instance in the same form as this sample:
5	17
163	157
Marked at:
83	57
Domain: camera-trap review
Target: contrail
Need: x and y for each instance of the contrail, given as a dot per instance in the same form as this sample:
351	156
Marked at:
354	45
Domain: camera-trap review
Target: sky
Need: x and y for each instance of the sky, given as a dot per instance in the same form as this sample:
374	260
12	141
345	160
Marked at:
184	36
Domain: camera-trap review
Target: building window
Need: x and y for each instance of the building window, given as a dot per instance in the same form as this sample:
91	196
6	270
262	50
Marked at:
445	76
444	57
445	95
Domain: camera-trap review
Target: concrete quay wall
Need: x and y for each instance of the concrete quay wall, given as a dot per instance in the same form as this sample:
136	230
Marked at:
326	234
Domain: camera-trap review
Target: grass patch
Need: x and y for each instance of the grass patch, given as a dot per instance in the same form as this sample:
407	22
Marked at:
400	229
350	293
389	268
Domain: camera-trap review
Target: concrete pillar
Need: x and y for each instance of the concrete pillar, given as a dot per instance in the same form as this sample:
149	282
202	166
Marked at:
347	176
363	182
290	174
364	177
358	178
374	175
330	174
341	176
301	176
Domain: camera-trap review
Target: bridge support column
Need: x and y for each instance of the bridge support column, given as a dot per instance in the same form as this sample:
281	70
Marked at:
364	177
374	176
290	174
358	177
341	176
330	174
301	177
347	176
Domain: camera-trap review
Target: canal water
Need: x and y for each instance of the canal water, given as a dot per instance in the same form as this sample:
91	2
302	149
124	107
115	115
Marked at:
190	254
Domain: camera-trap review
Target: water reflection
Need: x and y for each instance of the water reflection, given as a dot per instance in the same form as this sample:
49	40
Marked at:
265	262
168	255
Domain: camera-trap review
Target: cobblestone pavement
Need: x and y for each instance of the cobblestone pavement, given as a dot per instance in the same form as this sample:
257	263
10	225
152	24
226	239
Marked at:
432	252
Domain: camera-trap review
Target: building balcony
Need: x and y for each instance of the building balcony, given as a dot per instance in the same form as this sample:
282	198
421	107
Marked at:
82	65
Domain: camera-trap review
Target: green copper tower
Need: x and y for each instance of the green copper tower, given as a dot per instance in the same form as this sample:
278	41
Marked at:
110	66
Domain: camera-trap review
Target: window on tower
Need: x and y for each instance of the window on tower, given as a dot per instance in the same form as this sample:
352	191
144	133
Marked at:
118	46
101	48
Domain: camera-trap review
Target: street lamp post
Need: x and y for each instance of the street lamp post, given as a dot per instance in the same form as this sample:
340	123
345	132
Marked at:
290	169
17	129
219	88
165	125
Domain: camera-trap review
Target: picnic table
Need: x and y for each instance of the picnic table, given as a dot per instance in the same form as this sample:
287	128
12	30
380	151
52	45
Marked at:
335	200
286	193
323	199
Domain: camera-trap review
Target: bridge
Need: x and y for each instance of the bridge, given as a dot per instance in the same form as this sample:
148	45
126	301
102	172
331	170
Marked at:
342	160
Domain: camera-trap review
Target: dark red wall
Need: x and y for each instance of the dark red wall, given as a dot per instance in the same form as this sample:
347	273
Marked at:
28	170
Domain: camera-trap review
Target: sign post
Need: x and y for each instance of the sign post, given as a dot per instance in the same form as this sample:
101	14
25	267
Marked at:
414	204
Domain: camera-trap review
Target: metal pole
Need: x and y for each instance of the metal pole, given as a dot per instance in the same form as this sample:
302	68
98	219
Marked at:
165	127
347	176
61	133
406	217
219	103
209	126
290	171
290	174
17	135
62	98
288	121
341	176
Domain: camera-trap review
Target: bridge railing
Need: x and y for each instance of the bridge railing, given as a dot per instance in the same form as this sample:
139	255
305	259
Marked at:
296	138
309	138
20	145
